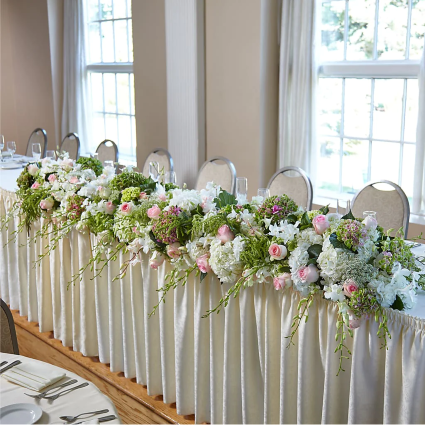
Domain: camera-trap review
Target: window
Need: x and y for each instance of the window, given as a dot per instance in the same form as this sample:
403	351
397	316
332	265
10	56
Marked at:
368	93
111	77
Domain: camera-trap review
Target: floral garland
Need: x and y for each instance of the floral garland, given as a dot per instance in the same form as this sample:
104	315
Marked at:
351	262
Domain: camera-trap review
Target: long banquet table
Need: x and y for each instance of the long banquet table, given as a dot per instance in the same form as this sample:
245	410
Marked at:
233	367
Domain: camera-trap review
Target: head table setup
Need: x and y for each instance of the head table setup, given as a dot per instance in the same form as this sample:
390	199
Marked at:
238	311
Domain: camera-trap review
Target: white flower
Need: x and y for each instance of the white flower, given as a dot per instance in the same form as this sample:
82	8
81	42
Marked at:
242	200
334	293
185	199
257	200
224	261
284	230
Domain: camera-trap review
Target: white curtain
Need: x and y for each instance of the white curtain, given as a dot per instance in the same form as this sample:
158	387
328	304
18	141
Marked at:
297	82
76	106
418	205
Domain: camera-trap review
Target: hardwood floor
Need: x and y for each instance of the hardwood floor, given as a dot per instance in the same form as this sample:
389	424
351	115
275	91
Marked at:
133	403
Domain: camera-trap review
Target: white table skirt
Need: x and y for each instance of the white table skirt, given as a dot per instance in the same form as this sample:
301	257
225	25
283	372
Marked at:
86	399
233	367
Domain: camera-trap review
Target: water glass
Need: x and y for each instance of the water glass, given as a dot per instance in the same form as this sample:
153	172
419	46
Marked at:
11	148
1	146
50	155
342	207
36	151
263	192
108	163
241	186
369	214
154	170
170	177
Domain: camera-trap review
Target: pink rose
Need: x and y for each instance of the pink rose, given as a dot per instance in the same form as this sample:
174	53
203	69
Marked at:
143	195
309	274
52	178
173	250
126	208
280	282
47	204
162	197
32	169
203	264
74	180
349	287
154	212
355	322
277	252
224	234
67	163
109	207
35	185
321	224
156	260
370	222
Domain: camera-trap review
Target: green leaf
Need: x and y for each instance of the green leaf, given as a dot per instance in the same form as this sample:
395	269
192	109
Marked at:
203	276
225	198
348	216
324	210
160	245
292	218
333	239
314	251
305	221
397	304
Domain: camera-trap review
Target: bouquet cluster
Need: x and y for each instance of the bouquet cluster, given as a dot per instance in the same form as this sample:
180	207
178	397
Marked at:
350	261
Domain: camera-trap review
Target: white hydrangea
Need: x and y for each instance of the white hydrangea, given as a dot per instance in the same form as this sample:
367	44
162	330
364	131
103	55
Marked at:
334	293
310	237
284	230
185	199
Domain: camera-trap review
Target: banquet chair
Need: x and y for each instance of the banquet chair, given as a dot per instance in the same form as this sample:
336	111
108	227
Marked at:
388	201
293	182
8	340
39	135
71	144
219	170
107	151
164	159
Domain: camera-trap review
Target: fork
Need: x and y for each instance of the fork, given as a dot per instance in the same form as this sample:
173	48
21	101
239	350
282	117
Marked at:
54	397
41	395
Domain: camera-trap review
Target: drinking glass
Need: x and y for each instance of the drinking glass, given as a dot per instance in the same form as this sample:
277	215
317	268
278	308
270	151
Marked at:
1	146
11	148
108	163
50	154
263	192
170	177
36	151
241	186
154	170
369	214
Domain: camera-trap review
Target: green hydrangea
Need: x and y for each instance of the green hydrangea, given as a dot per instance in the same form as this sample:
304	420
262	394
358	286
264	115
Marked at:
130	194
90	164
276	208
359	271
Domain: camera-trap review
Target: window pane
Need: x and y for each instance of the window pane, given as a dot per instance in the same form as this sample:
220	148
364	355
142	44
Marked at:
93	9
107	42
98	128
392	29
333	16
328	166
105	9
330	98
408	169
133	129
123	93
109	87
129	8
385	161
361	28
111	127
357	107
130	40
417	29
97	91
120	9
121	43
412	112
94	43
124	125
387	112
354	165
132	93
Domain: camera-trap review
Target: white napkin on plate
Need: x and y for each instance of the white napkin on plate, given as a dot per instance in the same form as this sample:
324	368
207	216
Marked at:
35	376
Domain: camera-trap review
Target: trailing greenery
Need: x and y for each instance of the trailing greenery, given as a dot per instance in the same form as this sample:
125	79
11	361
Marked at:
90	164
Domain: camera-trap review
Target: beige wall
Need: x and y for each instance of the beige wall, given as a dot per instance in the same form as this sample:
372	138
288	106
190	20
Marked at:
26	80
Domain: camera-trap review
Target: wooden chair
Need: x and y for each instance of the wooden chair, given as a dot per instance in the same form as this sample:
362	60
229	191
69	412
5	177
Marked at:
219	170
71	144
8	340
162	157
391	205
107	151
293	182
39	135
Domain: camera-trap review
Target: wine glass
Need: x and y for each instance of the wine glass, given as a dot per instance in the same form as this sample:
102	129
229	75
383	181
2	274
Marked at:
36	151
11	148
263	192
50	154
170	177
241	188
108	163
1	147
369	214
154	170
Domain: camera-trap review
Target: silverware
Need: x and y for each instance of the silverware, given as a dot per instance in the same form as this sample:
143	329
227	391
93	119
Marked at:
15	363
54	397
41	395
3	363
104	419
74	418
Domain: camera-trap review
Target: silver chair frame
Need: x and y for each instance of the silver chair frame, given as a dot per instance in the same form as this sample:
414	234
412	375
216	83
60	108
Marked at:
165	152
228	163
114	145
69	136
43	154
12	329
400	191
304	175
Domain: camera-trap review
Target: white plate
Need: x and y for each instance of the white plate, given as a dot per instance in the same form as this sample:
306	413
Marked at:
10	165
20	413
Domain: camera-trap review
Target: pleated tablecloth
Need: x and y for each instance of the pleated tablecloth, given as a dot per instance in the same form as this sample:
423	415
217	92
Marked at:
233	367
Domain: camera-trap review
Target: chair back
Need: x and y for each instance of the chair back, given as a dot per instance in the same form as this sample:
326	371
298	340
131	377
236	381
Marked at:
71	144
389	202
107	151
219	170
293	182
8	340
39	135
162	157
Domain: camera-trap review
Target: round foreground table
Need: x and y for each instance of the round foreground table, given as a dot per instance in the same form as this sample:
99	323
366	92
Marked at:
79	401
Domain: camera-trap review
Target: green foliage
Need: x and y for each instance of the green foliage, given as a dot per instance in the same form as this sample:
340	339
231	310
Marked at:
132	179
397	304
305	221
30	204
255	252
130	194
100	222
313	252
348	216
224	198
210	225
276	208
24	181
333	239
90	164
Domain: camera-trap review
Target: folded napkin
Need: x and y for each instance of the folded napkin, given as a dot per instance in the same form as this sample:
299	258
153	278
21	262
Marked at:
35	376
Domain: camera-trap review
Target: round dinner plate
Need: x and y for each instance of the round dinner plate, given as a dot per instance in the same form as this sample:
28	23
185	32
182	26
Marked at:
10	165
20	413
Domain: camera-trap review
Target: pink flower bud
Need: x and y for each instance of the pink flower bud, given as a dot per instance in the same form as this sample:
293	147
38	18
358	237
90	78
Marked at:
35	185
162	197
126	208
282	281
109	207
309	274
32	169
156	260
154	212
47	204
173	250
52	178
370	222
277	252
74	180
355	323
321	224
203	264
143	195
349	287
224	234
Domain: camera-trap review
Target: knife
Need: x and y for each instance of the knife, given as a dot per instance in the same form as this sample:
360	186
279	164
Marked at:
104	419
15	363
3	363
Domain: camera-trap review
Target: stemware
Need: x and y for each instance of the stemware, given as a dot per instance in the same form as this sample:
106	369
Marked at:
1	147
11	148
263	192
108	163
369	214
170	177
50	154
241	187
154	170
36	151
